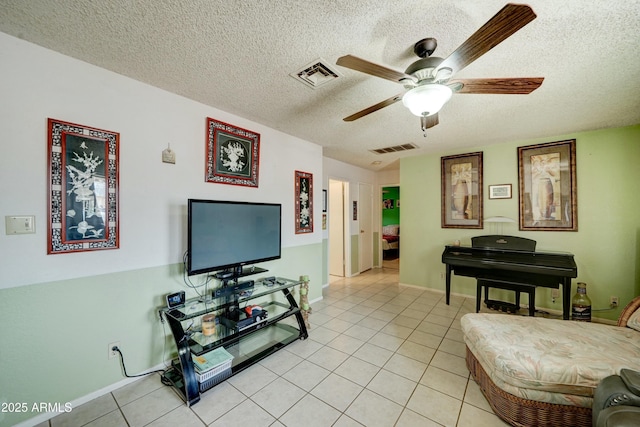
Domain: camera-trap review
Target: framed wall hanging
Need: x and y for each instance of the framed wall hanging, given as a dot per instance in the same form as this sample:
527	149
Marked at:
500	191
304	202
233	154
461	180
324	200
547	187
83	188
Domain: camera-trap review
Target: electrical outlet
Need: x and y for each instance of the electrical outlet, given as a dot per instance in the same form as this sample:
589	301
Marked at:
555	293
441	276
112	353
613	301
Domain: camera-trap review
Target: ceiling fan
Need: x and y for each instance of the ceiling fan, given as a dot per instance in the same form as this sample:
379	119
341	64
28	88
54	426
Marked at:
428	81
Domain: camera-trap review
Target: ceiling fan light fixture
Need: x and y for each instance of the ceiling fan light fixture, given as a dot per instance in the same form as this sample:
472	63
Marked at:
427	99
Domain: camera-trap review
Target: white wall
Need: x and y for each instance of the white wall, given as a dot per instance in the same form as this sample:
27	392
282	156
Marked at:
388	178
36	83
70	306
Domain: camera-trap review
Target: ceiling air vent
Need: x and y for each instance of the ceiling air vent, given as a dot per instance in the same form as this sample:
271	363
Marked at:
316	74
394	149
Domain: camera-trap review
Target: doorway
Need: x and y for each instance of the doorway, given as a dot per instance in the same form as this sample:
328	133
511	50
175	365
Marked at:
390	217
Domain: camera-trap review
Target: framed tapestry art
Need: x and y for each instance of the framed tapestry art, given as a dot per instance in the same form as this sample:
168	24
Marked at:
461	180
83	188
548	187
233	154
304	202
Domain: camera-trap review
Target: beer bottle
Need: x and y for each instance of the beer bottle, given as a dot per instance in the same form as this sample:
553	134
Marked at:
581	304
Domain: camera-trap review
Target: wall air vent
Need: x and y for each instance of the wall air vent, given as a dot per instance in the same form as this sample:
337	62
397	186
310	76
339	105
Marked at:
394	149
316	74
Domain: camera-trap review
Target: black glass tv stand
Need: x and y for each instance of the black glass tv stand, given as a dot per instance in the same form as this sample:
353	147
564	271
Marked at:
239	338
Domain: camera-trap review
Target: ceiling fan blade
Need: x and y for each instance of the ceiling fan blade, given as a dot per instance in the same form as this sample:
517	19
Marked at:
373	108
505	23
364	66
507	86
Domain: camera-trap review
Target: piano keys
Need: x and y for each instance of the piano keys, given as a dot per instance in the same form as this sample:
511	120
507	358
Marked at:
511	260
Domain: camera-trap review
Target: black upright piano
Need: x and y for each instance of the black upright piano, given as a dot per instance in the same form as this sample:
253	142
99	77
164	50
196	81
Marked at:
510	259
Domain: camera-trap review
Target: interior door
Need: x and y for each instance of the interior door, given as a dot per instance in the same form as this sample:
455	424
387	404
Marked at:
365	221
336	228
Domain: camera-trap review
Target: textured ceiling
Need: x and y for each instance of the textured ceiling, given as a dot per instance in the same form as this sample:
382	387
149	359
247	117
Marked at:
237	56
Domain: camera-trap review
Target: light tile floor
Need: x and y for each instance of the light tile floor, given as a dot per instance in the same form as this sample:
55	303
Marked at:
378	354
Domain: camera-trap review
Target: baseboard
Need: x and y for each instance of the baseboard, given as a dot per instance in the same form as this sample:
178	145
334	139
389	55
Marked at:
40	418
553	312
316	300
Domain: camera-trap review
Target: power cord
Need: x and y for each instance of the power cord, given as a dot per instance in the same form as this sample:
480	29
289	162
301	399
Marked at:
187	281
124	369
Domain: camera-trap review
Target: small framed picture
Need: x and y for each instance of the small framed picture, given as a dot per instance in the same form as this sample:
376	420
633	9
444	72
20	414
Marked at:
324	200
500	191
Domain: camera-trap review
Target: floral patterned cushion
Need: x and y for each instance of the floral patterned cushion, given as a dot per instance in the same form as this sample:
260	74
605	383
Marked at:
547	360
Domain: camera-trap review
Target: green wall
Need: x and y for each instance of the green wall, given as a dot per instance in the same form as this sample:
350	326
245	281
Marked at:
606	247
325	261
391	216
58	332
355	253
376	248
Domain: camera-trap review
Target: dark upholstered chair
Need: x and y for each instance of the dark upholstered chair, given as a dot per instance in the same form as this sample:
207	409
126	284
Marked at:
616	402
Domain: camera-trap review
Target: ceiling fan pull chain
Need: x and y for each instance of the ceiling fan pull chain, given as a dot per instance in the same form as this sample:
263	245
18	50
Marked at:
423	125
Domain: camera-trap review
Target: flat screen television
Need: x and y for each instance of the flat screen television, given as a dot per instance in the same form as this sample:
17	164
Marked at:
226	235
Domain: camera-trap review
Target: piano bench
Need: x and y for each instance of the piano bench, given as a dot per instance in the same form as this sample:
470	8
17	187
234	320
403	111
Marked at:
516	287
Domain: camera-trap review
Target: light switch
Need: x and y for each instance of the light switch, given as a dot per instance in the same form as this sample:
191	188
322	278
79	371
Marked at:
20	224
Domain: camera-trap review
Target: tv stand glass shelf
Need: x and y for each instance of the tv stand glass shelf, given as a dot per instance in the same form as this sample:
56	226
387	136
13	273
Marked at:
246	335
